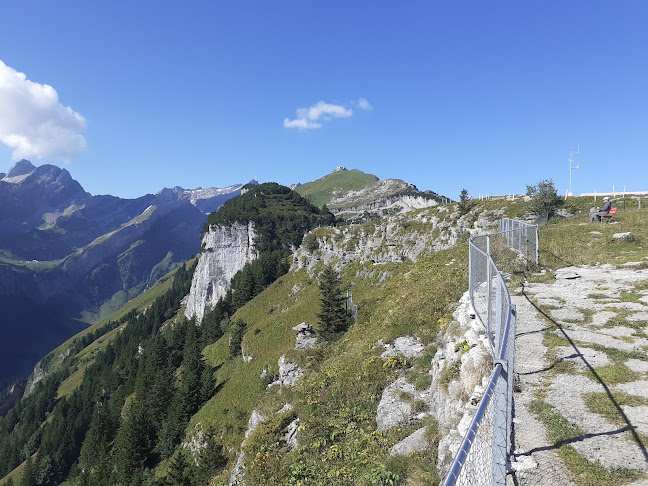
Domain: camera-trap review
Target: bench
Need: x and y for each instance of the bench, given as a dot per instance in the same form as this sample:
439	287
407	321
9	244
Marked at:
610	214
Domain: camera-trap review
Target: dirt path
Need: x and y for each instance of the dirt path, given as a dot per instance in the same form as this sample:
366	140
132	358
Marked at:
581	412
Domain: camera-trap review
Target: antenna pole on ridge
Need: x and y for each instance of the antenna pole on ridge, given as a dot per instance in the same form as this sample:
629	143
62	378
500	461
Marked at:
571	167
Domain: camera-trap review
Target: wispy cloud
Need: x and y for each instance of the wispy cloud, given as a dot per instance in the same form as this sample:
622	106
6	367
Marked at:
34	123
313	116
363	104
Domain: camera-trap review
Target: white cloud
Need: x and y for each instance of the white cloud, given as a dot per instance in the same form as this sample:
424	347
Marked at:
311	117
34	123
301	123
363	104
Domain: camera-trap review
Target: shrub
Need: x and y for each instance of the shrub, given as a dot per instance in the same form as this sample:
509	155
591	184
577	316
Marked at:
310	242
544	198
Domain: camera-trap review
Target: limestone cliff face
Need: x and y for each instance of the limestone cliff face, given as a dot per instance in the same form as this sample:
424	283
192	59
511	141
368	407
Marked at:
226	250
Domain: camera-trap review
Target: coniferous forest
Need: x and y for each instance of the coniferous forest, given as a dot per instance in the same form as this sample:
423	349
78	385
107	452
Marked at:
129	411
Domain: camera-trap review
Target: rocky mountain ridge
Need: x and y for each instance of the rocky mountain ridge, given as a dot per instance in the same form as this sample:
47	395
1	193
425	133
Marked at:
356	197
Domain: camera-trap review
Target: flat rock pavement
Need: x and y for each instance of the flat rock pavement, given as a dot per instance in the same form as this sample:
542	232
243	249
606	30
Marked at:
582	354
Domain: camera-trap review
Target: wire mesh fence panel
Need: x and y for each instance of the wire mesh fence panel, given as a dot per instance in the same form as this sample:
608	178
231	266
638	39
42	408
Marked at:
483	455
474	461
522	237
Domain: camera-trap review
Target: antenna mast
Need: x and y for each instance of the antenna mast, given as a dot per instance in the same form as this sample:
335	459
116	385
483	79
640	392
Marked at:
571	161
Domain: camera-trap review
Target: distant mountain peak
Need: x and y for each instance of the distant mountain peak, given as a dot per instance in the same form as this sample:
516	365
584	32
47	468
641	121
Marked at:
22	167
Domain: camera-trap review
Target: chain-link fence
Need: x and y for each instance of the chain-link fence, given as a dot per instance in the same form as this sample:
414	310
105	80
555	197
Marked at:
522	237
483	454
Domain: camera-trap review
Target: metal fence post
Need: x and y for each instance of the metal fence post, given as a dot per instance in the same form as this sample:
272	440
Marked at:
488	279
500	427
498	314
470	268
510	376
537	248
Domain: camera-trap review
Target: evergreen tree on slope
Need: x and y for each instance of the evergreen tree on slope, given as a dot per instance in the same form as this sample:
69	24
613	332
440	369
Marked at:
332	318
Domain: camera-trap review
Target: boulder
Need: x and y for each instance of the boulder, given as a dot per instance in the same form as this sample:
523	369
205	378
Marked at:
415	442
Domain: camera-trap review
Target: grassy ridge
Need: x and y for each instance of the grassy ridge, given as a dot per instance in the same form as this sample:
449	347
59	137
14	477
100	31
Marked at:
322	190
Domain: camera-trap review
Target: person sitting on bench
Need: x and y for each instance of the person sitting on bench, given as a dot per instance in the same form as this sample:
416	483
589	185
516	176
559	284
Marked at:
596	215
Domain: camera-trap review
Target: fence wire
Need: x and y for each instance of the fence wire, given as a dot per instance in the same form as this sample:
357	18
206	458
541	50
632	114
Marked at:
521	237
483	455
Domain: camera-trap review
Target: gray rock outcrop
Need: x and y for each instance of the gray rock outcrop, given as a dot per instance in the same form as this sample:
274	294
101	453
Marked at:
456	397
394	239
237	476
459	372
306	338
407	346
289	373
393	410
197	443
226	250
381	199
291	434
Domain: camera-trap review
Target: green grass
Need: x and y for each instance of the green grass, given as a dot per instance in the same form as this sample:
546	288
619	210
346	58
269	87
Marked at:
16	474
619	356
615	374
630	297
565	242
322	190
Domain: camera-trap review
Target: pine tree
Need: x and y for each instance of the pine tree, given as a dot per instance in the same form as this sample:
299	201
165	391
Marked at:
29	473
332	318
464	197
207	384
178	470
236	330
544	198
133	443
210	461
192	370
243	285
95	451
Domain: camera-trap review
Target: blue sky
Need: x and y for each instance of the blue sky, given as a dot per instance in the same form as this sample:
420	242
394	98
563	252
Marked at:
487	96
